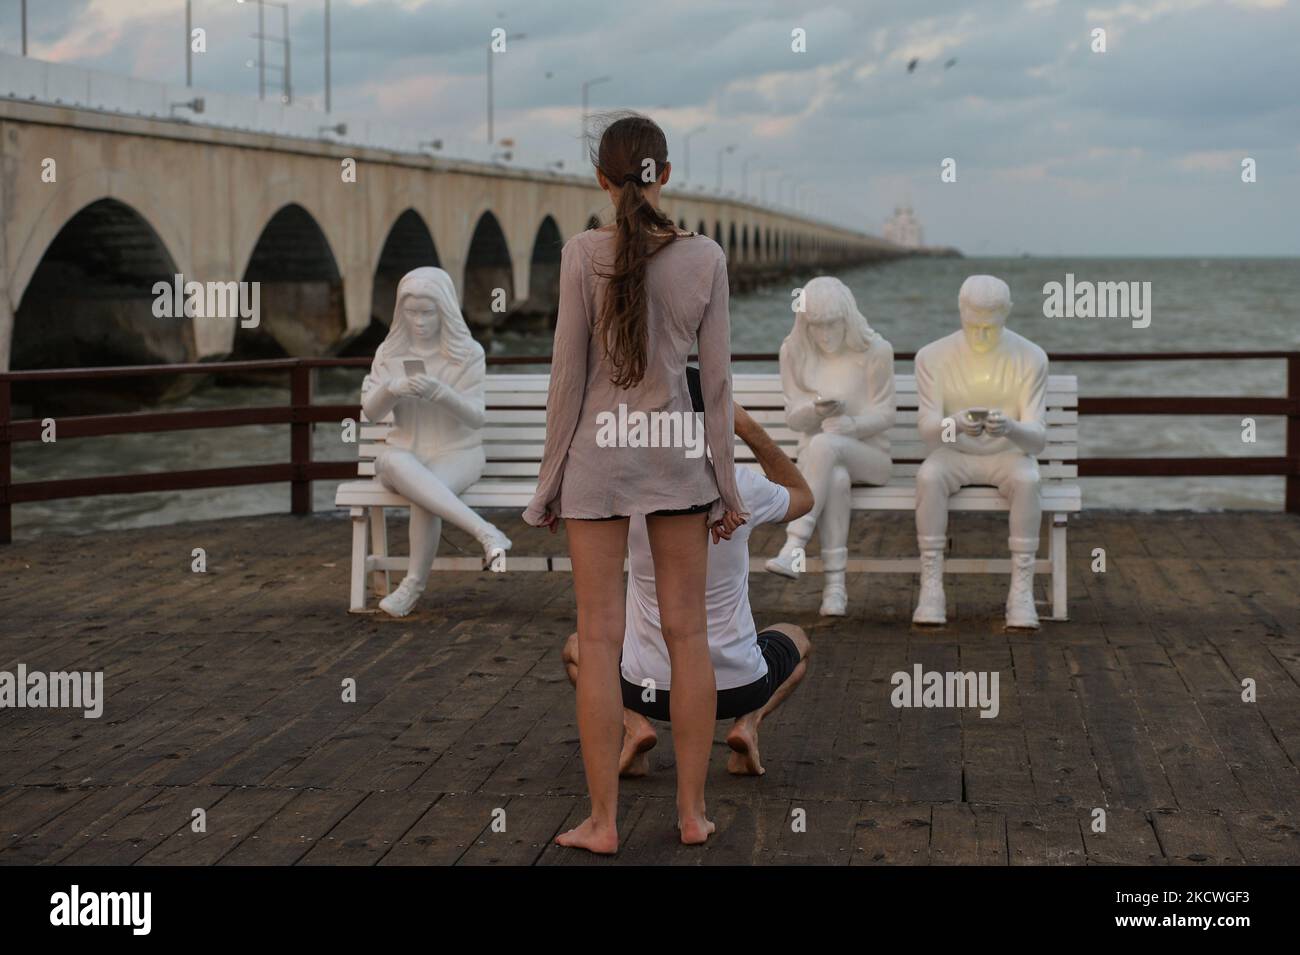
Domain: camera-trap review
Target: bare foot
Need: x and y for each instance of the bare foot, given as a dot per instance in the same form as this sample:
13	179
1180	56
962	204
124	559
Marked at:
743	740
638	739
695	830
589	836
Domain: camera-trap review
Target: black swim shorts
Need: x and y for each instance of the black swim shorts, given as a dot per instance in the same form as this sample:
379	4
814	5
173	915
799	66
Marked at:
782	657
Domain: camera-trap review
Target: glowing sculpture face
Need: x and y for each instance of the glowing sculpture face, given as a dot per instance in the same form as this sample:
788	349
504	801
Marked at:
983	327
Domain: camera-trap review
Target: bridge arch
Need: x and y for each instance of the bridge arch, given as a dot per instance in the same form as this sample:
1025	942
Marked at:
544	269
90	298
488	267
301	289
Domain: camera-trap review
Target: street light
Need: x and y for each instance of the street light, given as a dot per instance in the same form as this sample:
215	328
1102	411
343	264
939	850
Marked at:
24	16
327	56
195	105
586	85
261	38
722	152
686	152
744	176
507	38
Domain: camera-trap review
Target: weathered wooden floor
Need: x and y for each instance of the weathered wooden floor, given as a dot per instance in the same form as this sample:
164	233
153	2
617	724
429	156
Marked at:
224	693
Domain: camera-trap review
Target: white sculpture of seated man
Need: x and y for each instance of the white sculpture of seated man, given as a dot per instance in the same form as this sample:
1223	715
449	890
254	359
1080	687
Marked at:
982	394
429	373
837	374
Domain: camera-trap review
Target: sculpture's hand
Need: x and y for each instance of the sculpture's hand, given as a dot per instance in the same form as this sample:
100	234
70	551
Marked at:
427	386
972	427
838	424
997	423
404	388
829	407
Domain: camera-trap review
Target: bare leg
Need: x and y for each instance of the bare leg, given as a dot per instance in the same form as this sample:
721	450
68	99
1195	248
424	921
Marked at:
679	546
743	736
594	547
639	735
639	738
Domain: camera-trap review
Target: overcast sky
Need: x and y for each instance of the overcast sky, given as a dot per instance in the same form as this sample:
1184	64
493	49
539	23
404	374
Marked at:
1135	151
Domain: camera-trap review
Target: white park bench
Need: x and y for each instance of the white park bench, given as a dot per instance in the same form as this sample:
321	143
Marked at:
515	432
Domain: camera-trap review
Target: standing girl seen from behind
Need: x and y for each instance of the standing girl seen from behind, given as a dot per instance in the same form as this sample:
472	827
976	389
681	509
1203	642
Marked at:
636	298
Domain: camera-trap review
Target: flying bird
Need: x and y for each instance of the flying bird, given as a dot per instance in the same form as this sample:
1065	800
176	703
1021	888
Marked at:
950	64
911	67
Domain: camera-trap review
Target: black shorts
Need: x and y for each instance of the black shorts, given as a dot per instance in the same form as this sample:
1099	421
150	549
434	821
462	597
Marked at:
782	657
697	509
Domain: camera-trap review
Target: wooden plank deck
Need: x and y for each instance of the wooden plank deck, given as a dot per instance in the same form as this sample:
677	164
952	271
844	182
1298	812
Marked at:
224	694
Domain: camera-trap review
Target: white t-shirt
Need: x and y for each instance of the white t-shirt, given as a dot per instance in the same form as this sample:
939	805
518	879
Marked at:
733	644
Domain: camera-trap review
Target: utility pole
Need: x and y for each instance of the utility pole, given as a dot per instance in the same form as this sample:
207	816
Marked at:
24	14
261	50
582	138
327	56
189	45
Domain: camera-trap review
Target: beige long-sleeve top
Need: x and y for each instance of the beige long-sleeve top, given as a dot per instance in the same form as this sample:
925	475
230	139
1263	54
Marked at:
582	475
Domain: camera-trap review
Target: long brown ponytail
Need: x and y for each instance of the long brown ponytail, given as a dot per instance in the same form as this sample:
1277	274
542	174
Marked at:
632	153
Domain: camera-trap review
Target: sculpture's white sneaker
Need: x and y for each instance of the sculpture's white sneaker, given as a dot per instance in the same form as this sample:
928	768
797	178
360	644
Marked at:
932	607
493	543
1021	612
783	563
835	598
400	602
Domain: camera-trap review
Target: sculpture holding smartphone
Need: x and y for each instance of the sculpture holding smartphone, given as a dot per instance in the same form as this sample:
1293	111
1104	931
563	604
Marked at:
429	373
981	399
838	378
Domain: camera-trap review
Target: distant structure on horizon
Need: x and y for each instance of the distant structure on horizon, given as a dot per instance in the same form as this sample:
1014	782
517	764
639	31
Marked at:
903	228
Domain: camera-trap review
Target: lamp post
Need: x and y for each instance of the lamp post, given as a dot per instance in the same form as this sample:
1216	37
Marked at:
189	46
744	176
686	152
327	56
722	152
586	85
286	71
24	16
512	36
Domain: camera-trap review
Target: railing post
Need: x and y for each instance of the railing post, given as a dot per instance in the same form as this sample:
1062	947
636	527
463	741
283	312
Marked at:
300	438
6	463
1293	434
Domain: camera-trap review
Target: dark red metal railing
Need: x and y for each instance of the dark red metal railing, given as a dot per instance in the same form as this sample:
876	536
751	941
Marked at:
300	414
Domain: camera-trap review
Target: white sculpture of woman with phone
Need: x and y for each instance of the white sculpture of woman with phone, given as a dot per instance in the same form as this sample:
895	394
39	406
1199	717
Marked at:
981	409
838	378
429	373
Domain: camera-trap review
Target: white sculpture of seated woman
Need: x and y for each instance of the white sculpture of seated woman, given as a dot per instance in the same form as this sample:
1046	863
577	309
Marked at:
435	448
838	378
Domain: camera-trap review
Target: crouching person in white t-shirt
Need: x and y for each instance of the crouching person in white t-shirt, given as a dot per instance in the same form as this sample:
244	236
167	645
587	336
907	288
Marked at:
755	671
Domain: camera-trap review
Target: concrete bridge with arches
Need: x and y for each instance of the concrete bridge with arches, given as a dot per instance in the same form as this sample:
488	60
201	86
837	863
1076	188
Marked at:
135	200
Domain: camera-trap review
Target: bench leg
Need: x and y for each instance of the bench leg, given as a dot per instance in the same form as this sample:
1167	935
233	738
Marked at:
357	603
379	547
1060	608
